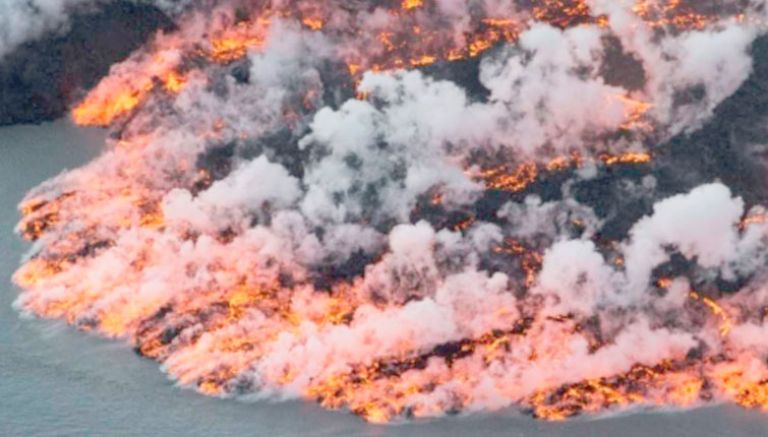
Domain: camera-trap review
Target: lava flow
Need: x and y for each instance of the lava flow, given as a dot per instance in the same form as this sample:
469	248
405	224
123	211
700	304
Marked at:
412	208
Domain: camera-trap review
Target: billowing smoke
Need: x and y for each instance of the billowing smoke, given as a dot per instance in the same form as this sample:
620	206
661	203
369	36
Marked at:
417	208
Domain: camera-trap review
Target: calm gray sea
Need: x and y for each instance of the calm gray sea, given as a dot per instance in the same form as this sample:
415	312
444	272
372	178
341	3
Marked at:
56	381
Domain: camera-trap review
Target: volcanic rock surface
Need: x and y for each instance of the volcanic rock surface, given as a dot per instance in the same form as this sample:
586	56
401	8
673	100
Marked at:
41	78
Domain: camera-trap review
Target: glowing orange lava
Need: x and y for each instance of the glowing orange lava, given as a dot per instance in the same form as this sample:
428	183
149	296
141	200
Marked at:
145	246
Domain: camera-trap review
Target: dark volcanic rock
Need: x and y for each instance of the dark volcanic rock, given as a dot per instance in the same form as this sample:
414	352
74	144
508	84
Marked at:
727	149
40	79
724	148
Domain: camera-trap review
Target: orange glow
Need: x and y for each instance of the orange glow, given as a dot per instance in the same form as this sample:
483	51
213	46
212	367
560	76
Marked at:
411	45
233	43
246	302
119	95
530	260
635	112
36	271
755	219
745	391
313	23
412	4
423	61
626	158
521	177
675	383
174	82
97	112
500	178
672	13
725	324
562	13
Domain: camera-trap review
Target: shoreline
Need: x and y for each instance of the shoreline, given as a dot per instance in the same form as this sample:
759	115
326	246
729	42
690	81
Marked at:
55	380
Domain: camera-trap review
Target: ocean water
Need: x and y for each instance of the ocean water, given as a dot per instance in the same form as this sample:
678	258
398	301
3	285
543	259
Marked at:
56	381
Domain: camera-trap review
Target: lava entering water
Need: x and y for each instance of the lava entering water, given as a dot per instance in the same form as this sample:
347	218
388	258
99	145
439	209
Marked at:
402	208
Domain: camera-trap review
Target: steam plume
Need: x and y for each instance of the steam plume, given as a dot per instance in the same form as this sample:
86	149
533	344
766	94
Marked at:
385	207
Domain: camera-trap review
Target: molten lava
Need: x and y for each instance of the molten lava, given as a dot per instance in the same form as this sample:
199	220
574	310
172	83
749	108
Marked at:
286	209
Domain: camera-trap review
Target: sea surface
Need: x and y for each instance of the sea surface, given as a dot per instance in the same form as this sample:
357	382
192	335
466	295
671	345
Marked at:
56	381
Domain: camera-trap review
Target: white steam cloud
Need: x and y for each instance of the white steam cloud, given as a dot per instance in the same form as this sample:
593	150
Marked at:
24	20
259	230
